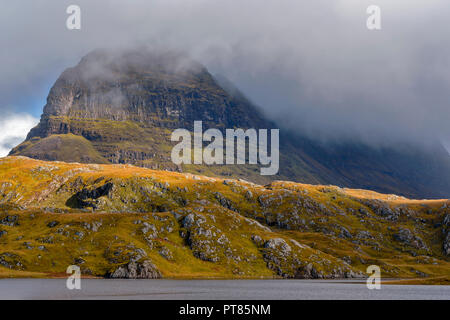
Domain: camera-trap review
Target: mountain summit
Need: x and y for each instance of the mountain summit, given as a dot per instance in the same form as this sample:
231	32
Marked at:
122	106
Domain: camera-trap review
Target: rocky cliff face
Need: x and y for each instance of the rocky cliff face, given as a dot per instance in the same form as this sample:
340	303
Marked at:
124	104
120	107
163	90
446	234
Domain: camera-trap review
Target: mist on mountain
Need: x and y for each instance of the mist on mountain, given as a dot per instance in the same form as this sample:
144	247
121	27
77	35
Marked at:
312	66
120	106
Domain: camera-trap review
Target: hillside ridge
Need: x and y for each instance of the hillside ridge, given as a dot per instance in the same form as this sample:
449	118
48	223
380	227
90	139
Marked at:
124	221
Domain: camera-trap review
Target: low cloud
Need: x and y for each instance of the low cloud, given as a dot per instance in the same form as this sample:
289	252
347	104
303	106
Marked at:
311	65
13	130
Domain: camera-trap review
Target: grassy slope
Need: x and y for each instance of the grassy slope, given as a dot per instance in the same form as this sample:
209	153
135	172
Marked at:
41	192
63	147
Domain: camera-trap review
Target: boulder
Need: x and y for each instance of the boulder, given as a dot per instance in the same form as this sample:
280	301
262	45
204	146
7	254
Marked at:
446	245
407	237
10	221
136	270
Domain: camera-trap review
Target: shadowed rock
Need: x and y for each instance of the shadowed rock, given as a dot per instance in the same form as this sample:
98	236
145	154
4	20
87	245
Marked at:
136	270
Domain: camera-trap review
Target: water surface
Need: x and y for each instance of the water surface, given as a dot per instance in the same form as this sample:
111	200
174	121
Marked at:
214	289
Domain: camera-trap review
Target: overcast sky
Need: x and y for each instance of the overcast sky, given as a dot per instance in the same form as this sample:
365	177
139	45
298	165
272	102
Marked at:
312	65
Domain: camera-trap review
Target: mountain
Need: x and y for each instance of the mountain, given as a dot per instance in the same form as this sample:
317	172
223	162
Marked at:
122	106
122	221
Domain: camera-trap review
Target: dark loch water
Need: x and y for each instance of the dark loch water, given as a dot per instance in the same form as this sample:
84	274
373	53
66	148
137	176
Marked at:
213	289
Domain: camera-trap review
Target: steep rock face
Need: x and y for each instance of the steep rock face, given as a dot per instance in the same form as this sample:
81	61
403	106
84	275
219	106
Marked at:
164	90
125	104
446	234
121	107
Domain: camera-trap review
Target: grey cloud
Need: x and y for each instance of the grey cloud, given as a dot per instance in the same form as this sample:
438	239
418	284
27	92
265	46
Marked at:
13	130
311	65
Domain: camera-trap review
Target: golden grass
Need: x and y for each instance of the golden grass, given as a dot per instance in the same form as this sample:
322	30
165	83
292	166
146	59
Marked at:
39	185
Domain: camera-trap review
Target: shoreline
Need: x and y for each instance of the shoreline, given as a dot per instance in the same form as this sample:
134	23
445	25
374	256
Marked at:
439	281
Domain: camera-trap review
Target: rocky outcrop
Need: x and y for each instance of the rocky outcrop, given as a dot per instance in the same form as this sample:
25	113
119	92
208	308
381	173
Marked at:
136	270
406	237
10	221
11	261
382	209
446	234
86	197
206	241
446	245
296	261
